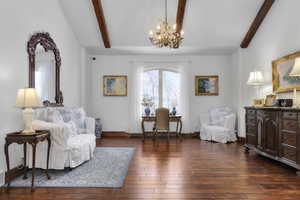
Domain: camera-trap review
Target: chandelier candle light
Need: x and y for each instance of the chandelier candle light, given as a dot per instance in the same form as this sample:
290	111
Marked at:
166	35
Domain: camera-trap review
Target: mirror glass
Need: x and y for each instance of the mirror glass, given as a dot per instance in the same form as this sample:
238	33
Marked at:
45	73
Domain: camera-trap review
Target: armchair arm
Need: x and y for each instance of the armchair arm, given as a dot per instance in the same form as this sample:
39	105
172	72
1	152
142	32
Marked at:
204	119
229	122
59	132
90	125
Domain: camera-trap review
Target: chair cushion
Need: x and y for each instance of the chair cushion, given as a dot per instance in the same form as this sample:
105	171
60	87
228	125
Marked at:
54	116
78	117
217	115
66	114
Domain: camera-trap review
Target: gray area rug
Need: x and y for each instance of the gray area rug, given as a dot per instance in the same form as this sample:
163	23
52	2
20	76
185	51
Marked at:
107	169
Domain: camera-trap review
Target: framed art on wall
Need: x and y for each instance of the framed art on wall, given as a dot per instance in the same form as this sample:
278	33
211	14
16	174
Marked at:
114	85
258	102
207	85
281	68
270	100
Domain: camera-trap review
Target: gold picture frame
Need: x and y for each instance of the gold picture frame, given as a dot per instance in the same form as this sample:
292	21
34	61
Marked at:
258	102
207	85
114	85
270	100
280	70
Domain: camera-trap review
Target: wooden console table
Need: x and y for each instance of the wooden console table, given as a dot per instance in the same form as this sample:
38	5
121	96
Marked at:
32	139
172	118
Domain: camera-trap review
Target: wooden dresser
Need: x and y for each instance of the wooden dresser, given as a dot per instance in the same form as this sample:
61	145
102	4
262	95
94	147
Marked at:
274	132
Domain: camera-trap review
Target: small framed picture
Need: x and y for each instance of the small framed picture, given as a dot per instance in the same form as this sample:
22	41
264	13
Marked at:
270	100
258	102
207	85
115	85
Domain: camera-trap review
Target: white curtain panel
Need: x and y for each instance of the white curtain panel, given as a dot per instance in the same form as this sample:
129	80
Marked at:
184	99
135	91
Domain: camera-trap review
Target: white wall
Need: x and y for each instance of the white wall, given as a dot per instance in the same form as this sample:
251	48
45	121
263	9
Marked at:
19	19
279	35
114	111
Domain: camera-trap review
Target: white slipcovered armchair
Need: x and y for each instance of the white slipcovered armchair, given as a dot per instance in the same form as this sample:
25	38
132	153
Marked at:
220	126
72	136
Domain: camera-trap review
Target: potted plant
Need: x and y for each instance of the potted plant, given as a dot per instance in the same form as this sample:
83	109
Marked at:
147	102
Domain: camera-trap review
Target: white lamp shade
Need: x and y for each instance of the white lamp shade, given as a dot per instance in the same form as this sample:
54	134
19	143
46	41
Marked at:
256	78
296	68
28	98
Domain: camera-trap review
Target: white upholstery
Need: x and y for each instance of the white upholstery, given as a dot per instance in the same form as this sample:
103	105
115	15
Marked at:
221	126
73	138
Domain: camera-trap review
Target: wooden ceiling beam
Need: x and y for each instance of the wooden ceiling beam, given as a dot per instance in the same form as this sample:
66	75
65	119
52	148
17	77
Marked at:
180	15
101	22
257	22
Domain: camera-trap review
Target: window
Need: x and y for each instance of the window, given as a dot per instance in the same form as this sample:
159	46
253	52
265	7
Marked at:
162	87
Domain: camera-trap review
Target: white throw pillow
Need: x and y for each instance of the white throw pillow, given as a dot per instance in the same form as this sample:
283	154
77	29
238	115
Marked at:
66	114
78	116
54	116
72	128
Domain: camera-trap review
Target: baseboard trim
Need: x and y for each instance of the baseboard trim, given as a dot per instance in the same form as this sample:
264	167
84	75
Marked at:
111	134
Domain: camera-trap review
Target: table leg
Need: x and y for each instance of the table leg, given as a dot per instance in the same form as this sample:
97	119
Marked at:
25	159
48	154
143	129
180	123
177	124
7	163
33	165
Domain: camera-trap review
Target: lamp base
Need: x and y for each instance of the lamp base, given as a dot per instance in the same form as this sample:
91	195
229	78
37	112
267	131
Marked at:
295	101
27	117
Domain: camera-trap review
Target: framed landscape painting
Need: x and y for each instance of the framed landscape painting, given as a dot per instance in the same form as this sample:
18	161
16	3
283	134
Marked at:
115	85
207	85
281	68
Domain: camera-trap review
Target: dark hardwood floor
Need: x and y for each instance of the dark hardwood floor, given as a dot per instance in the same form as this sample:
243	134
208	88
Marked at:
192	169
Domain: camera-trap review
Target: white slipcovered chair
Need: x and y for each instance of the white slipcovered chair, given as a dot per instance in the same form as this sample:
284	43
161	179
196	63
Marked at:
220	126
72	136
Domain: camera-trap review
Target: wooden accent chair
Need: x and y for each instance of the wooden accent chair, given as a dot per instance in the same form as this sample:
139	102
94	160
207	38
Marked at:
162	121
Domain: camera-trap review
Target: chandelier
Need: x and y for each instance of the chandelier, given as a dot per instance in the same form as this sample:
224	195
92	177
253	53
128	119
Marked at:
166	35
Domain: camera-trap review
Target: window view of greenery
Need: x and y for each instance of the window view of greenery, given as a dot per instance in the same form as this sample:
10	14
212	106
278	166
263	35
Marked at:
160	89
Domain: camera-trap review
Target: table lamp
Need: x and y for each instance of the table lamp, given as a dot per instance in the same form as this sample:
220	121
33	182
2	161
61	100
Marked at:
27	99
256	79
295	73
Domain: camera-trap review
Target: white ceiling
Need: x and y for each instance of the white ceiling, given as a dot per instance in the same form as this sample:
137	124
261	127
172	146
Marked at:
210	26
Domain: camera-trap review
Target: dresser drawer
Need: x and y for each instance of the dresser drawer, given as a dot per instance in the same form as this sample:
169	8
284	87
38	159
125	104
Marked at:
251	130
289	115
289	153
251	112
251	121
289	125
289	138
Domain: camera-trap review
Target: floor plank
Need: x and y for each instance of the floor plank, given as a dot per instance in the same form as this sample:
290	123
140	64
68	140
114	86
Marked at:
191	169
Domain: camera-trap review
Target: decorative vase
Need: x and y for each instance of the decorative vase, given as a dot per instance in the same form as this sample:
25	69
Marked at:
147	111
174	111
